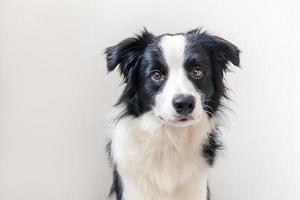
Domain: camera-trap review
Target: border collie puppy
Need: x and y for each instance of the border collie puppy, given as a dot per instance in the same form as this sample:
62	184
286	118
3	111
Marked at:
165	138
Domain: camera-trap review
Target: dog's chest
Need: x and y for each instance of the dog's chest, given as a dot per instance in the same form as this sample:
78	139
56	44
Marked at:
162	164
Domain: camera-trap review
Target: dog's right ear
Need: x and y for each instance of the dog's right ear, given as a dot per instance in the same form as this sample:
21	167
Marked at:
126	54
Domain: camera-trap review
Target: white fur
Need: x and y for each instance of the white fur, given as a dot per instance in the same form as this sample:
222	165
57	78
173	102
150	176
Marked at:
156	159
160	161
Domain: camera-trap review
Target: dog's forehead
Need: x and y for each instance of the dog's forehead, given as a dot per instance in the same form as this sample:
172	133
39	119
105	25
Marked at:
173	50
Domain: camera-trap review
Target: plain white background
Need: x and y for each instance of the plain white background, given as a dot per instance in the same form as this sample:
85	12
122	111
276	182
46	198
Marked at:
55	93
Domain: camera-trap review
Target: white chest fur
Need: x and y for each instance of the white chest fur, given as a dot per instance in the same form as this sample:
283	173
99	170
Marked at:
161	162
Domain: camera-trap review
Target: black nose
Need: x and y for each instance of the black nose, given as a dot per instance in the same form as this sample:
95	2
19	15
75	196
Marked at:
184	104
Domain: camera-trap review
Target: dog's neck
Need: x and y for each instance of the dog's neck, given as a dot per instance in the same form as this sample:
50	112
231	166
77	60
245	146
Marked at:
160	159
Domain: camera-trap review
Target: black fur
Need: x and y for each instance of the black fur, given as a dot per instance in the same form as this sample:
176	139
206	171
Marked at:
211	147
117	185
208	192
220	52
139	56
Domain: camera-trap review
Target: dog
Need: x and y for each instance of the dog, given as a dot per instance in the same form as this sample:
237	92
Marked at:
165	138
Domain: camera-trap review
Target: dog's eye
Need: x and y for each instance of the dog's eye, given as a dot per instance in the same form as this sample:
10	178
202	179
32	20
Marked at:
197	73
157	76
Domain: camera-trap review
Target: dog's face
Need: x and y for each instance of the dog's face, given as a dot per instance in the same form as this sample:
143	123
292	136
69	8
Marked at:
177	77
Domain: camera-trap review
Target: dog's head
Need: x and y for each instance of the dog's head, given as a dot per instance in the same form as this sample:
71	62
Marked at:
177	77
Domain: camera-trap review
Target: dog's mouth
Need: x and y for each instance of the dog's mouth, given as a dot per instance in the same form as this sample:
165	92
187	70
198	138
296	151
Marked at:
179	120
183	118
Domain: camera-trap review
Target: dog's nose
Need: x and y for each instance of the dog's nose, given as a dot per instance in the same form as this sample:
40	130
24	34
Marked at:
184	104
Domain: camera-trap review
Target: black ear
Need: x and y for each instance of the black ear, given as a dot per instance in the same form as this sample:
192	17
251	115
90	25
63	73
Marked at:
221	50
127	53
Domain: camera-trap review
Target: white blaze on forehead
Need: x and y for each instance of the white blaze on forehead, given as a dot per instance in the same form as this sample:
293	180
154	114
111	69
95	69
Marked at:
177	81
173	48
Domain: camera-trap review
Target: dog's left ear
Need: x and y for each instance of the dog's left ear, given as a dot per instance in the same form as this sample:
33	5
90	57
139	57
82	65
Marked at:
126	53
222	51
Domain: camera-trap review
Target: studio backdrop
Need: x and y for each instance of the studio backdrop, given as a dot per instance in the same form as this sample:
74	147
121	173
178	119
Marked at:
55	93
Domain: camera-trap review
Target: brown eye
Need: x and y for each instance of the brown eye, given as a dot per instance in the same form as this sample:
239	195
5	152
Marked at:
197	73
157	76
